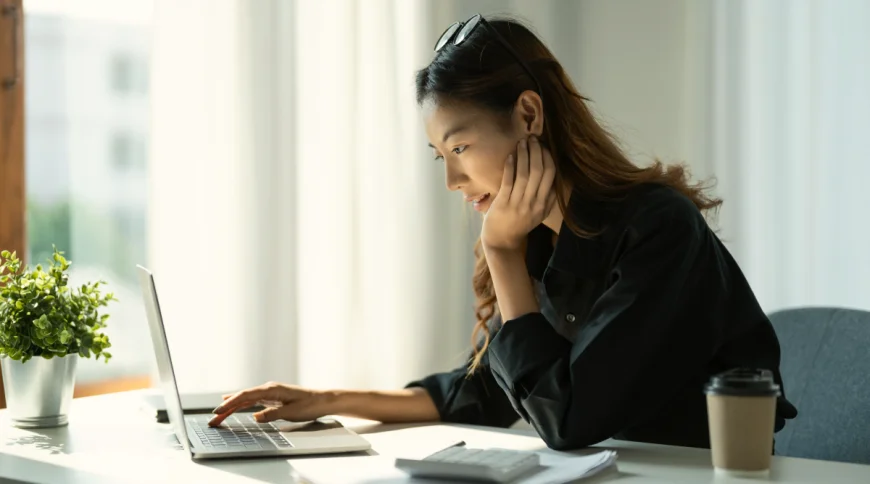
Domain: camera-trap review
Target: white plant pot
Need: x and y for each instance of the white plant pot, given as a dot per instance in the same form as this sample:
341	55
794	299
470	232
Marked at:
39	392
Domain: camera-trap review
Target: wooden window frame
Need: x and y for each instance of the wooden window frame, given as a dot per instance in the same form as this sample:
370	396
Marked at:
13	231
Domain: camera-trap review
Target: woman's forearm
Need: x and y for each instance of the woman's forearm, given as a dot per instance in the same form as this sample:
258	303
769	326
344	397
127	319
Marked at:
388	406
513	286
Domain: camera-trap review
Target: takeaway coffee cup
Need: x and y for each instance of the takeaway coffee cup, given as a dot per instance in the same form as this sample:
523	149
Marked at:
741	407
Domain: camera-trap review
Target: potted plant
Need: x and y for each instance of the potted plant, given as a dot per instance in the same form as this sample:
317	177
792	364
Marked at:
45	326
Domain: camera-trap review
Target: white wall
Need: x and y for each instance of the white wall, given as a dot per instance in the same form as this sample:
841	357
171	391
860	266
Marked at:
636	59
634	63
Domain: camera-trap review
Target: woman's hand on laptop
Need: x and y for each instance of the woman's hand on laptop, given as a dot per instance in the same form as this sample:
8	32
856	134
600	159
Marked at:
283	402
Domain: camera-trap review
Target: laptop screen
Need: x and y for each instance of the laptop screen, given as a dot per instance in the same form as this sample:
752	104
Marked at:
164	361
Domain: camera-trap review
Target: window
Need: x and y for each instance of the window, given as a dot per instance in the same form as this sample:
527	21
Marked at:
127	153
128	73
86	114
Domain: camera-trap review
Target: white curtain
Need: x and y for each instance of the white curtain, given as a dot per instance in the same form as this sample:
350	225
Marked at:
788	110
299	230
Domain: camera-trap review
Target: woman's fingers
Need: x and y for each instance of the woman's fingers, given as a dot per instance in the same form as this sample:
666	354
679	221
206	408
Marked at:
285	412
234	403
247	398
522	177
242	398
551	202
536	171
222	413
547	177
507	179
270	414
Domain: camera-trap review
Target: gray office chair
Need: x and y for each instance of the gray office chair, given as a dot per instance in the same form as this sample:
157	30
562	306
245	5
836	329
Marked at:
826	373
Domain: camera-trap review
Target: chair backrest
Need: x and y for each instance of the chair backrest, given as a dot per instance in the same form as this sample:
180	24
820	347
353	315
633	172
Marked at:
826	373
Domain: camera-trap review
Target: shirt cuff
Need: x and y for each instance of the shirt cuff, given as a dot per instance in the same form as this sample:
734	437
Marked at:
522	348
436	388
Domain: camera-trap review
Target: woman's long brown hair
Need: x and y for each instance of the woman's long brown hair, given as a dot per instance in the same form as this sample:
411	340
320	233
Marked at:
589	163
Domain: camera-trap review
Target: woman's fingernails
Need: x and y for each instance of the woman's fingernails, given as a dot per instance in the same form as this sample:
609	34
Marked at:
510	158
218	409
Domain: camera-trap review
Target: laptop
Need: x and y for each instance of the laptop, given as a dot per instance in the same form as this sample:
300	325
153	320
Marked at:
239	435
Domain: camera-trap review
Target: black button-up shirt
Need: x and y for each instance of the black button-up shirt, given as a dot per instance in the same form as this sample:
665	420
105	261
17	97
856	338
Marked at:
633	322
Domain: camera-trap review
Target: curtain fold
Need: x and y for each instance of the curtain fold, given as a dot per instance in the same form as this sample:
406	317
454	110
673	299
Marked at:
299	230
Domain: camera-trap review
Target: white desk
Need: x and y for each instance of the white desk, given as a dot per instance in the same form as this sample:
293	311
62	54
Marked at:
110	439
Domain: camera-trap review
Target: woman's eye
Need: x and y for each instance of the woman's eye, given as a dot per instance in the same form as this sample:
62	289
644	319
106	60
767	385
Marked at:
457	150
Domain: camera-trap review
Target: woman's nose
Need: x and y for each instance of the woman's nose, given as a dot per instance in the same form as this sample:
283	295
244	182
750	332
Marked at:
456	178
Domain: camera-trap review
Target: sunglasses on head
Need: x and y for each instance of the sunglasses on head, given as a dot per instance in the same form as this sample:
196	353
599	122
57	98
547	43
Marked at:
458	32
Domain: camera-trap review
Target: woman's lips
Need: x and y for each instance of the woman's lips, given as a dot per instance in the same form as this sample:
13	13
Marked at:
479	201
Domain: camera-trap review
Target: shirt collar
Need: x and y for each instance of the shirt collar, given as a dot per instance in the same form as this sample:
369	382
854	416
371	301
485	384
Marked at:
572	253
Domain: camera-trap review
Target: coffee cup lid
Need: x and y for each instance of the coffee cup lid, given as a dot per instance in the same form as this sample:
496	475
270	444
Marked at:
743	382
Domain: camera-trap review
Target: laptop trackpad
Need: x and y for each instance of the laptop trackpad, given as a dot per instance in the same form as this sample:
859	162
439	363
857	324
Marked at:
319	433
305	427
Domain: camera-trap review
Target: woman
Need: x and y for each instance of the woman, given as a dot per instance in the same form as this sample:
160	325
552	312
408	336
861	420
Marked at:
604	301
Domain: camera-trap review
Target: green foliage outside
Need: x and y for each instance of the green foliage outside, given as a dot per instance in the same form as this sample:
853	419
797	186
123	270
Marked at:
103	240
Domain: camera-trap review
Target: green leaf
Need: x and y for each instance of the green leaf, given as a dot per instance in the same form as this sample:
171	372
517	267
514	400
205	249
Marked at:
41	316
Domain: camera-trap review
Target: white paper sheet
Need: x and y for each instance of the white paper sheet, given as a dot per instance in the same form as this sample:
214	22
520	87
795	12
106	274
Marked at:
562	468
556	469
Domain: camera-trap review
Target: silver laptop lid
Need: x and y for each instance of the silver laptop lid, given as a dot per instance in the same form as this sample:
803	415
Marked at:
164	361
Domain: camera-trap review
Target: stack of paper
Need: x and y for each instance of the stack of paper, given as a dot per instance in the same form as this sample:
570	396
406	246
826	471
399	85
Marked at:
562	468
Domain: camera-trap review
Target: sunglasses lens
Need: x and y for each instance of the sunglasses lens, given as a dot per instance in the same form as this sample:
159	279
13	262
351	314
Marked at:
446	36
467	29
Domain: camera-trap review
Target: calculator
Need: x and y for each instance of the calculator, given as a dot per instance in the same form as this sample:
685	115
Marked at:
467	464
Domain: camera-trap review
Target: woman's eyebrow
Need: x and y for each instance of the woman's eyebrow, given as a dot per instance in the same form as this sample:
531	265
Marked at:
452	131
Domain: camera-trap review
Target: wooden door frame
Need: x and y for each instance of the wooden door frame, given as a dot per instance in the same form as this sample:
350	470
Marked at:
12	187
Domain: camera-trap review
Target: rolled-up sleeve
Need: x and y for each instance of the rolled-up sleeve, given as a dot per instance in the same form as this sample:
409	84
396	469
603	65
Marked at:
641	343
470	399
477	399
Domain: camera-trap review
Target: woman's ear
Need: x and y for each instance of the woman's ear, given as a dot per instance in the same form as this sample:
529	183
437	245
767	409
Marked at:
529	114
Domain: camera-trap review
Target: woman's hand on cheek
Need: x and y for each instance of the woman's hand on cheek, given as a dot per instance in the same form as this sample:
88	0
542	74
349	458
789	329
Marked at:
524	199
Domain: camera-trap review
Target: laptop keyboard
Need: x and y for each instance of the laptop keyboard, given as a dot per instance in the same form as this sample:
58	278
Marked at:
237	433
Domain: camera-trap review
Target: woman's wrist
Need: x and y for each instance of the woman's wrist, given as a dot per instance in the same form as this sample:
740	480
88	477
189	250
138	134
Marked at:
510	278
500	249
337	402
407	405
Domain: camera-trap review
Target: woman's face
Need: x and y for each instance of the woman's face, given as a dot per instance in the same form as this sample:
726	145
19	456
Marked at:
473	145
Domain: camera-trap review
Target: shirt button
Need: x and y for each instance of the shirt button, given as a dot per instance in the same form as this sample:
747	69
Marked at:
570	318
